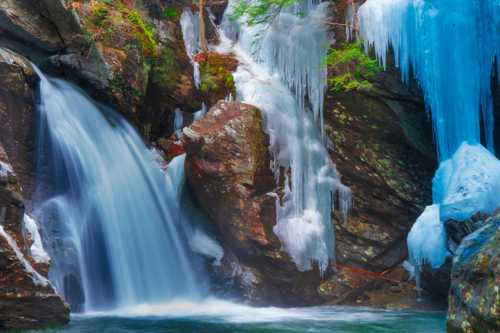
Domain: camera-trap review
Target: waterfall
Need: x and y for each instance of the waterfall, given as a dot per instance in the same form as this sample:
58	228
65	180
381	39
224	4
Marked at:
450	47
112	215
281	72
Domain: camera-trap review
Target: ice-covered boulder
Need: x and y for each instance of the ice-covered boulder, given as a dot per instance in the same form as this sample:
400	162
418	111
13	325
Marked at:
466	184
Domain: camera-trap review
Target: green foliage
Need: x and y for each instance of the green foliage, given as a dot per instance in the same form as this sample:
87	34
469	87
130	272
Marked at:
260	11
215	77
146	33
108	2
100	15
170	13
354	68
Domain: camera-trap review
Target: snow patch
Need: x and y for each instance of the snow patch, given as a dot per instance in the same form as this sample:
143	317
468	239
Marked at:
467	183
464	185
5	170
37	251
38	279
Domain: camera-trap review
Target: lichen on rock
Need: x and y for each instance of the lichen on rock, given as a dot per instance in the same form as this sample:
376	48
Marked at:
474	298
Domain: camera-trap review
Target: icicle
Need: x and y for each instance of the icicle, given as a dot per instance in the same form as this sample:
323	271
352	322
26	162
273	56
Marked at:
279	65
450	45
178	123
200	113
37	251
190	33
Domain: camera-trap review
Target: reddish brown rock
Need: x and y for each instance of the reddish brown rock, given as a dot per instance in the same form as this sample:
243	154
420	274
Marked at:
17	128
27	300
227	167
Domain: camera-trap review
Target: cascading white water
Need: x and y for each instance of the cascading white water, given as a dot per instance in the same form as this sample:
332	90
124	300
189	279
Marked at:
112	214
281	71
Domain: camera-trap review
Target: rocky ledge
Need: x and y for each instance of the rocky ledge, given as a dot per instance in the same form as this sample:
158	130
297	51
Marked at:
27	299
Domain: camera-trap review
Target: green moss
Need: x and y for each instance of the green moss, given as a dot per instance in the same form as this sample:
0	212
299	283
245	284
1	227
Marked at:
119	83
215	77
100	15
353	66
165	68
145	33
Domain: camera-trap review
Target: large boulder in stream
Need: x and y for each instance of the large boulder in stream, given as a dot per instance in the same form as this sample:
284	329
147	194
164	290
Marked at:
27	299
228	170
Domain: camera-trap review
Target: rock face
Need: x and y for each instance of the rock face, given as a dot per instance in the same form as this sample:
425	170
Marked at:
381	143
227	167
126	53
389	176
27	300
17	128
474	299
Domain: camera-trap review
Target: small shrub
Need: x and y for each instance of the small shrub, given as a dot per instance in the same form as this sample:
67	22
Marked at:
353	66
100	15
146	34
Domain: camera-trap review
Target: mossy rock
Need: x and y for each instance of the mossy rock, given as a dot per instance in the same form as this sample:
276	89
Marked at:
217	80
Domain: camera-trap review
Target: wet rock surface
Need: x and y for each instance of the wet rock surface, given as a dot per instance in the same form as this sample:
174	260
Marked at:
380	161
474	299
381	142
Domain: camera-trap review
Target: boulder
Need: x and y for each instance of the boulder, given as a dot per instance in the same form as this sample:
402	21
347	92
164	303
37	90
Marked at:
474	298
228	170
